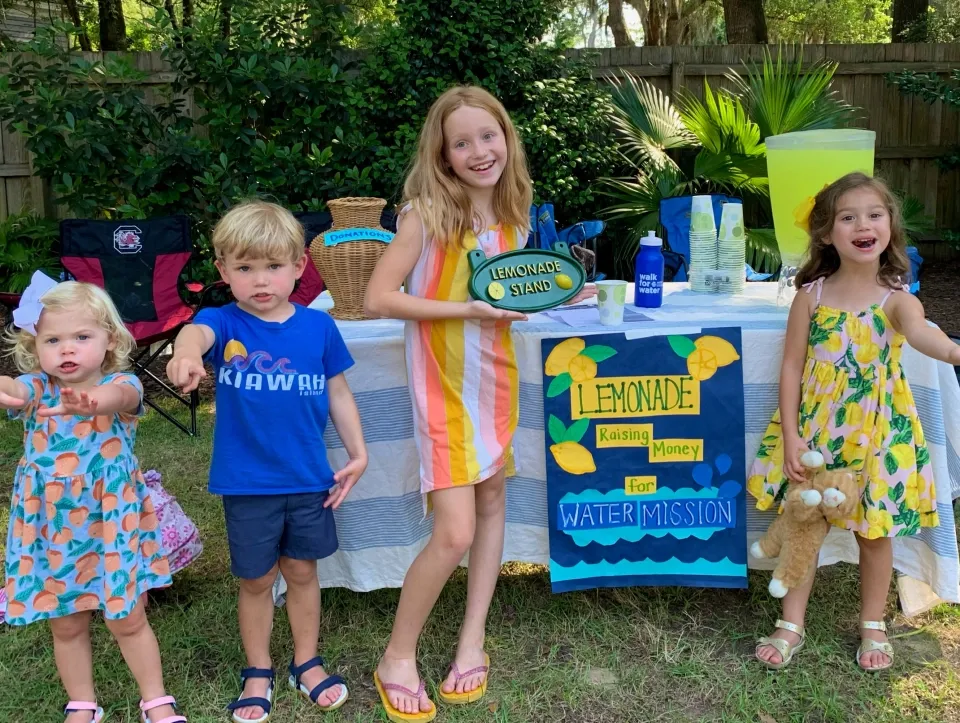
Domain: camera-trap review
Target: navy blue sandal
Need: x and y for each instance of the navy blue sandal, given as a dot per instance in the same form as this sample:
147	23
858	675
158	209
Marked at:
265	703
314	695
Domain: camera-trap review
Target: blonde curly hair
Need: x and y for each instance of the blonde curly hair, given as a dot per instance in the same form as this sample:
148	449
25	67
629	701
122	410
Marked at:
77	296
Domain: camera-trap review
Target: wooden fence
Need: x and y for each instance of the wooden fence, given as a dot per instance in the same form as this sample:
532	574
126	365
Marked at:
911	133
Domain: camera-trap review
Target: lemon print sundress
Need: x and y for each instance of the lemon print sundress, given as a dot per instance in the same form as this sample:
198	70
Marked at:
856	409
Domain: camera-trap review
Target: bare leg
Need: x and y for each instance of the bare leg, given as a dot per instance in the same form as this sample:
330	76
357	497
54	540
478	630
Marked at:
453	528
139	647
74	658
876	570
255	609
486	556
794	611
303	609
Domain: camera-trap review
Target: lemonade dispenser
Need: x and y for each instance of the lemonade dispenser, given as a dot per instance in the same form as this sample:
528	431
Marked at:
799	165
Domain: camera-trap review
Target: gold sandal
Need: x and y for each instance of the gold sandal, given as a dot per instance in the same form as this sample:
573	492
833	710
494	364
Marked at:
783	647
868	645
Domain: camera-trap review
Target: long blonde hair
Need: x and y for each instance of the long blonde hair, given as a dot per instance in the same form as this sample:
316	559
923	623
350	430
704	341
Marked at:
440	197
73	296
822	258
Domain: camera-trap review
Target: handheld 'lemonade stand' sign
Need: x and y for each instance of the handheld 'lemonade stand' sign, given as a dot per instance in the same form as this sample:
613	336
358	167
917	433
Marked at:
526	280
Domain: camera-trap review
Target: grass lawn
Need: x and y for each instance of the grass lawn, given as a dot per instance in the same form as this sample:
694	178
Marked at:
631	655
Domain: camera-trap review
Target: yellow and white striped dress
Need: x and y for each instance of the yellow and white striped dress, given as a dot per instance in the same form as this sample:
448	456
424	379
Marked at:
462	374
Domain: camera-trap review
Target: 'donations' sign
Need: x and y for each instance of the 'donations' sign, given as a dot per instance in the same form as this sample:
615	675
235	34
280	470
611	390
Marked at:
645	460
526	280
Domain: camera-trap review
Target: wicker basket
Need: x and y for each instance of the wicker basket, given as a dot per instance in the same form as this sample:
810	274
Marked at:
346	268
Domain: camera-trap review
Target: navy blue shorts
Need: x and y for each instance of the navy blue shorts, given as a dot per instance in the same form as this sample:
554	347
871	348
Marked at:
263	528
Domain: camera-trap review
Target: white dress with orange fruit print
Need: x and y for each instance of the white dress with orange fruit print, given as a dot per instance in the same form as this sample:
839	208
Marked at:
83	532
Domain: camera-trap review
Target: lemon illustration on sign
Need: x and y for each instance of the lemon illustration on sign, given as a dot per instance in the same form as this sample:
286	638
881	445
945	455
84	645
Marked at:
571	456
582	368
563	281
705	355
496	290
563	353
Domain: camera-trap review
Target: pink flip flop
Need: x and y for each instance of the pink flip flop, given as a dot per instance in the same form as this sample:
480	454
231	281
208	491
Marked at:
395	715
472	696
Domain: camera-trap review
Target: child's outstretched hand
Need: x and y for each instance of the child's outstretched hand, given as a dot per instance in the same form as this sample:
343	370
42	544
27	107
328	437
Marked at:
10	402
185	372
83	404
345	479
483	310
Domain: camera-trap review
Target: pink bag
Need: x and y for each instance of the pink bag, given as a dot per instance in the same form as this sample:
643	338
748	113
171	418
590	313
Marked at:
178	535
3	604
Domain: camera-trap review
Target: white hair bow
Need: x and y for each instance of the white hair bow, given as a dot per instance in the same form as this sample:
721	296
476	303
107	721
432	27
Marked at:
27	314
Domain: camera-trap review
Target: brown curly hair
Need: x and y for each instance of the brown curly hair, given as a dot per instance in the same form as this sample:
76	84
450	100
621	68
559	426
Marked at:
822	258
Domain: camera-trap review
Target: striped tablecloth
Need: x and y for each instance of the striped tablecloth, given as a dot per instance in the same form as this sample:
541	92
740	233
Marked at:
381	525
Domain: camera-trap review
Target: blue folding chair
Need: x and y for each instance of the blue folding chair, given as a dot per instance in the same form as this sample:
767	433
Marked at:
544	234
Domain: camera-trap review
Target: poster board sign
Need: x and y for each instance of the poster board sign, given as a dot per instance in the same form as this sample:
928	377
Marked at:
645	460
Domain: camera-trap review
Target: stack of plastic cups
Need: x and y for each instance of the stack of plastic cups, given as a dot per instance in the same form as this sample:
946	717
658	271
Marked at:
703	243
732	250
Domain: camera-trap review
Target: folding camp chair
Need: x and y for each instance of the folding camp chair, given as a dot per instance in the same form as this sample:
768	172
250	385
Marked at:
139	264
581	237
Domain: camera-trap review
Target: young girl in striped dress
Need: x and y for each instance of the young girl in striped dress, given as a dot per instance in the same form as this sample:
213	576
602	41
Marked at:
469	188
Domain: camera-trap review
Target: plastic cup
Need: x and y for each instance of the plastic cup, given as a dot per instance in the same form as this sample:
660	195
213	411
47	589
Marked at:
611	298
799	165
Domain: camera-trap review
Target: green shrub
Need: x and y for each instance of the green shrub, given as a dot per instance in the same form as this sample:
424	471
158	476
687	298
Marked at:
27	243
282	116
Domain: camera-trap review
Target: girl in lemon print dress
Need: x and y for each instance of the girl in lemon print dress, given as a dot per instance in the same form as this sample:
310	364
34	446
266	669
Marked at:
83	533
843	393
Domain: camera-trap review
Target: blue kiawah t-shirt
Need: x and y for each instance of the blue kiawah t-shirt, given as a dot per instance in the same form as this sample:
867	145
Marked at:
272	402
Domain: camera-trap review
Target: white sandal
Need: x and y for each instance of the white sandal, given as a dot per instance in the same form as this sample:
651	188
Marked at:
868	645
75	706
786	649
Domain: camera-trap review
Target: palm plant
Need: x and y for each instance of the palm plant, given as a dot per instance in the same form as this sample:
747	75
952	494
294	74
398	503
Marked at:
727	129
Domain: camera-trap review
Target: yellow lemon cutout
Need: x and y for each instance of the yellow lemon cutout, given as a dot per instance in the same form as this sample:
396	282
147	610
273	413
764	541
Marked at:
232	349
573	458
563	281
582	368
563	353
702	364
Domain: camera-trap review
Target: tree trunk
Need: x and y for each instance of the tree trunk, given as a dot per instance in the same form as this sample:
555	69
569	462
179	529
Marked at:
168	6
188	13
113	28
74	12
226	11
617	24
657	21
745	22
906	14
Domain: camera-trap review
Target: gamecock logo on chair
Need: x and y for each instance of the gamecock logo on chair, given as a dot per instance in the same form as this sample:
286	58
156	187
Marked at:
126	240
